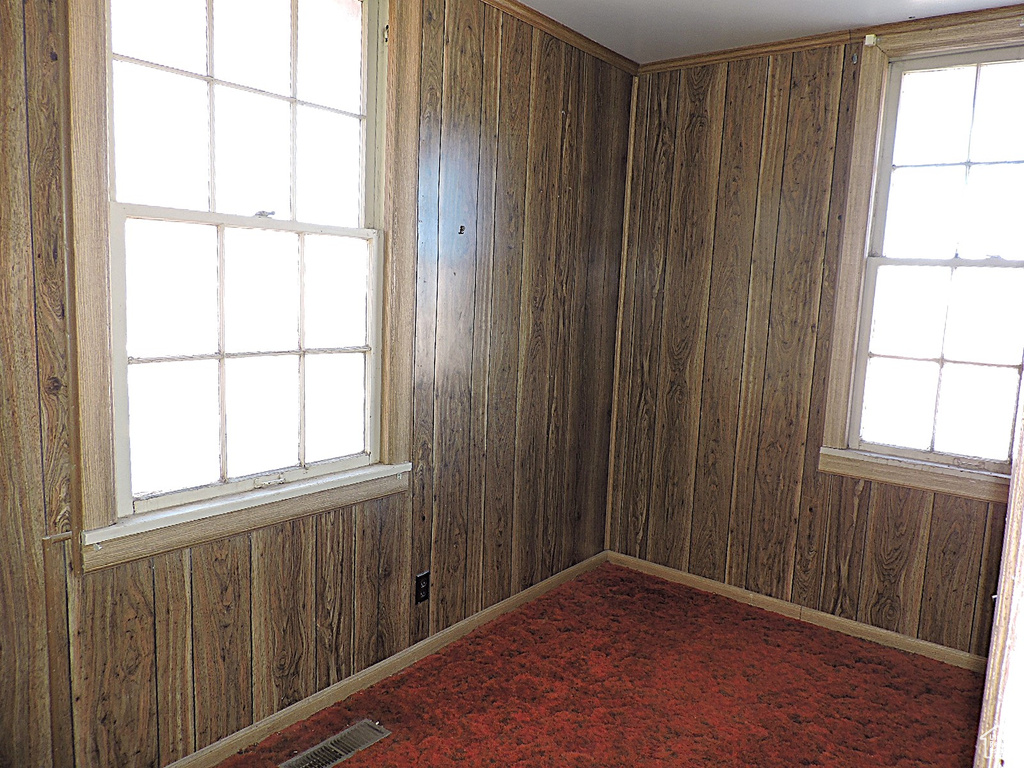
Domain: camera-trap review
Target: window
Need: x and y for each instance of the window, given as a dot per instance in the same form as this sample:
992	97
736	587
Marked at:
228	286
935	358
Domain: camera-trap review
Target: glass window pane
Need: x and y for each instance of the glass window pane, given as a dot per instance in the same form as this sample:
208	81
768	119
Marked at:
994	221
262	404
261	290
899	402
331	53
171	287
335	405
933	123
166	32
161	138
909	311
923	214
335	283
998	132
986	316
253	140
976	410
329	148
252	43
173	425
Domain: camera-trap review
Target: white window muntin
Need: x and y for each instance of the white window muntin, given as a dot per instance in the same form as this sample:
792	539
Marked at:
877	259
370	206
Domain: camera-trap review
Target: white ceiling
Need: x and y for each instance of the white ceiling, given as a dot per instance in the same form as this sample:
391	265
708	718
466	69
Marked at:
652	30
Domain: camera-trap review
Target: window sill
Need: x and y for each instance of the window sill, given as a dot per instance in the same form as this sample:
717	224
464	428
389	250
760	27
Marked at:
140	536
940	478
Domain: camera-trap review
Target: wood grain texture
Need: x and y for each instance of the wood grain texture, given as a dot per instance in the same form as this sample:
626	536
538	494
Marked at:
222	638
951	576
24	677
894	560
56	559
335	574
283	597
988	583
514	90
690	247
175	690
113	658
796	293
726	319
844	546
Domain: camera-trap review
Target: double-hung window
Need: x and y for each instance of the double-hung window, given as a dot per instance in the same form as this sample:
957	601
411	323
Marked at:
936	373
244	267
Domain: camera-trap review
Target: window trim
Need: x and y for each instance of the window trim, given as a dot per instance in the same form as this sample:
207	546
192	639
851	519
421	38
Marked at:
92	372
836	455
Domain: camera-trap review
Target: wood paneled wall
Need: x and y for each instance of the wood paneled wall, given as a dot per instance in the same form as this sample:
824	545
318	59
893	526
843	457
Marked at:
520	172
737	188
523	143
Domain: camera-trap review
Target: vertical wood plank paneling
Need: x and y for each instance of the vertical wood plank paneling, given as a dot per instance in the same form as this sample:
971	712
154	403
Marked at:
844	546
535	331
175	693
608	92
46	67
426	298
482	307
759	294
283	609
625	424
394	576
816	487
24	677
113	662
56	557
335	565
899	520
988	582
456	280
506	284
697	158
950	588
799	252
726	317
222	638
367	518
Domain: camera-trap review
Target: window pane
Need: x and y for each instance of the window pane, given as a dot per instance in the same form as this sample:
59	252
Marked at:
994	223
976	409
261	290
909	311
171	282
934	116
161	138
330	53
986	316
328	167
899	402
335	405
174	425
923	214
253	140
252	43
335	283
166	32
998	132
262	402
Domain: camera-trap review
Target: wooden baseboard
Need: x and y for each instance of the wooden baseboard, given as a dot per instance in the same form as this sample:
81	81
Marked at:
300	710
828	621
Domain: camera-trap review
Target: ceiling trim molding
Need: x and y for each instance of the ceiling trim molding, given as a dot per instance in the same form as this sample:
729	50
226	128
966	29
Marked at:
922	31
561	32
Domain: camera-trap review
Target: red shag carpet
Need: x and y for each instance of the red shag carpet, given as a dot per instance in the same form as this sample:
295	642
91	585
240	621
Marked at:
617	668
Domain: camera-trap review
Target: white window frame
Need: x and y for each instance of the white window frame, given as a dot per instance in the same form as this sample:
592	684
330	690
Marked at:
992	39
99	358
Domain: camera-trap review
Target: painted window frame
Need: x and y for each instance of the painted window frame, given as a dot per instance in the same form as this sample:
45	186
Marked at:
98	365
840	454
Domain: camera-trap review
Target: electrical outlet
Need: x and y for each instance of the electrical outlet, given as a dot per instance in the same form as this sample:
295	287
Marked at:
422	587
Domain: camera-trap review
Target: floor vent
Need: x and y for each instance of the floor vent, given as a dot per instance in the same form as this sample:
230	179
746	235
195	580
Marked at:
339	747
